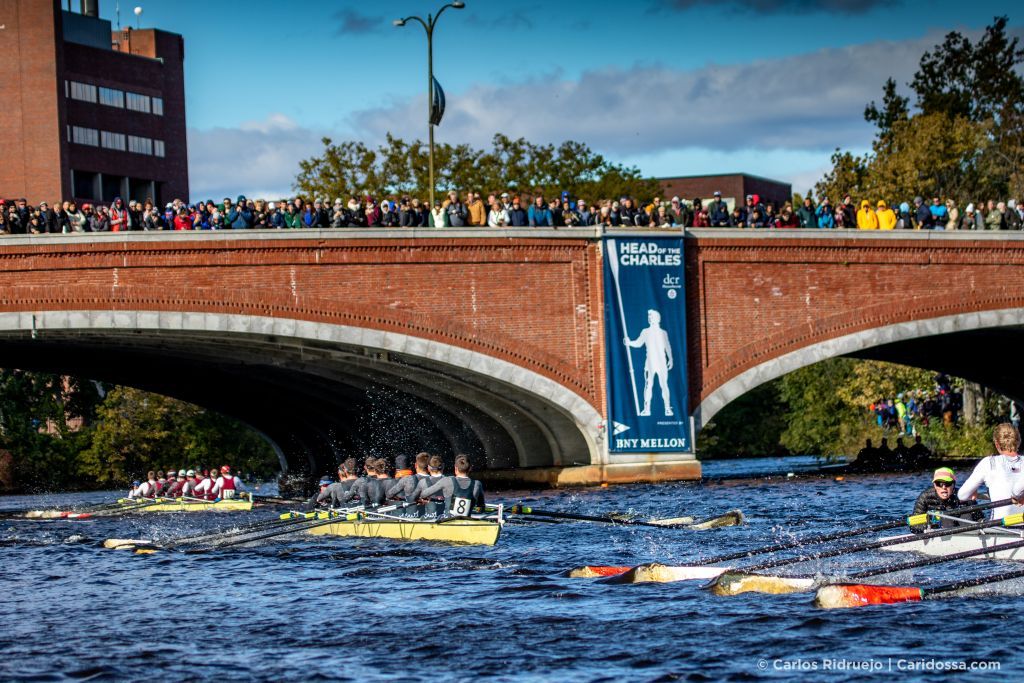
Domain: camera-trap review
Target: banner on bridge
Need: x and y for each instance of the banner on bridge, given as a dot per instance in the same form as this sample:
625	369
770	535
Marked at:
645	339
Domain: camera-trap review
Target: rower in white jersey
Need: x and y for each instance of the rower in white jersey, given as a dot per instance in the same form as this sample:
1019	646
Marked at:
227	485
1003	474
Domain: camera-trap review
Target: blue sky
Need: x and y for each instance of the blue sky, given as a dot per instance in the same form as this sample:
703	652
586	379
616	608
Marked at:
676	87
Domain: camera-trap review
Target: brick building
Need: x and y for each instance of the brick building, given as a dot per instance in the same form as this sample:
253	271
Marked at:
733	186
89	112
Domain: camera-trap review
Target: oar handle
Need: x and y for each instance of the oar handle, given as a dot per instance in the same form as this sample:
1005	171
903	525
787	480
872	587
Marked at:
849	533
1013	520
928	561
968	583
332	519
523	510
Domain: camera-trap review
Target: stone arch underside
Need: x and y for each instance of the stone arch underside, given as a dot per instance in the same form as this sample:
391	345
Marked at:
320	391
981	346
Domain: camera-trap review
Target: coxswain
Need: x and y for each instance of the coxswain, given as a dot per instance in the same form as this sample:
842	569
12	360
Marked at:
175	483
404	490
1003	474
227	485
462	495
940	497
135	485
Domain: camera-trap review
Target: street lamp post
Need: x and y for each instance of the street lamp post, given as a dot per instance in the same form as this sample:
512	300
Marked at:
428	25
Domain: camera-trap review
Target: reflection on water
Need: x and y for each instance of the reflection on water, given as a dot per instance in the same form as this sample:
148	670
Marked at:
336	608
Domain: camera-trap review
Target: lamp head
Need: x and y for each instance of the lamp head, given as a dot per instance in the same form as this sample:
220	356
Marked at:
458	4
138	11
399	22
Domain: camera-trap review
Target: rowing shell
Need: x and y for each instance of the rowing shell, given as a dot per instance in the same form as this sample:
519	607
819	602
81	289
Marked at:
462	531
179	505
958	543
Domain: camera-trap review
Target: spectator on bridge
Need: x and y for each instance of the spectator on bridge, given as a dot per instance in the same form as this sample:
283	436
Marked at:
681	214
808	214
886	217
438	216
923	218
182	221
477	210
497	217
76	219
457	214
737	218
825	214
118	216
904	221
952	215
1011	217
539	214
388	215
939	213
518	217
787	219
584	215
839	216
628	212
849	212
718	212
700	214
866	218
100	219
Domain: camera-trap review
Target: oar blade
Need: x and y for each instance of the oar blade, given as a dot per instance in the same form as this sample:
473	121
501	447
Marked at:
731	518
127	543
734	583
596	571
660	573
672	521
859	595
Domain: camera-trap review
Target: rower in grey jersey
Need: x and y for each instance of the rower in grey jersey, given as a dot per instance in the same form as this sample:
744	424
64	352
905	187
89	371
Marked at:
358	492
461	494
404	490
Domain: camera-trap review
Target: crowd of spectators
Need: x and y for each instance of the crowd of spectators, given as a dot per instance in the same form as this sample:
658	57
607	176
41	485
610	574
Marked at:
470	209
918	407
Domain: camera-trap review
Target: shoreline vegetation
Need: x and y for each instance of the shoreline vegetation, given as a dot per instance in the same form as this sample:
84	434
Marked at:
62	434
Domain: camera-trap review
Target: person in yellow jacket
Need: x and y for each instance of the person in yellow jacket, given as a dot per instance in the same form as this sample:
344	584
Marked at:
886	217
866	218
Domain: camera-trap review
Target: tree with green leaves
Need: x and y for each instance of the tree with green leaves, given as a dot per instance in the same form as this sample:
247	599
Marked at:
964	139
397	167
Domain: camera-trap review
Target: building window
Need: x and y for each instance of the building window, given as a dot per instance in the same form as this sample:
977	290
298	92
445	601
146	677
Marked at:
85	136
137	102
110	140
140	145
112	98
158	106
83	92
158	148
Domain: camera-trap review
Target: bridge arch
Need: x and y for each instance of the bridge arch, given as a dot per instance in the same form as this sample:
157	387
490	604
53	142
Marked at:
948	343
320	390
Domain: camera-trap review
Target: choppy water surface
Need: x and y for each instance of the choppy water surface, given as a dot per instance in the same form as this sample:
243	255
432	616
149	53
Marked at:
322	608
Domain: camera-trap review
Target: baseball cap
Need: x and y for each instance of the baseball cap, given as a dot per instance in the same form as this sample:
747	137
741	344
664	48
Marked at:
944	474
717	193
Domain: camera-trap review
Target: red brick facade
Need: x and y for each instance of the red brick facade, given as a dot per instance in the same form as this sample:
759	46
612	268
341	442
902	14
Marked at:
535	303
733	186
753	299
42	57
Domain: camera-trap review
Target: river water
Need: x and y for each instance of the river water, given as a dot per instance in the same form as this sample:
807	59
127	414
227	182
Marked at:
323	608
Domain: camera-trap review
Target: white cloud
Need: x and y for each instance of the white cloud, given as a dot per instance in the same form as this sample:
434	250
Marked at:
259	158
810	101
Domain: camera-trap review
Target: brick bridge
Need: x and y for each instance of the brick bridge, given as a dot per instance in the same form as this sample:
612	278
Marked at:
333	342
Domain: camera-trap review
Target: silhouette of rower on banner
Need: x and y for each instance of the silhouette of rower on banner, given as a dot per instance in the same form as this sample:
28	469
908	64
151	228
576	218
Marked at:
657	363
